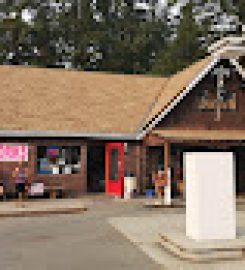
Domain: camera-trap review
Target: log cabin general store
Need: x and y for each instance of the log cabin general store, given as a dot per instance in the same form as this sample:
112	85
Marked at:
81	132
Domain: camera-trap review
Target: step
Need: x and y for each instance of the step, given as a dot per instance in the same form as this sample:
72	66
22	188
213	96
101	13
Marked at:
202	254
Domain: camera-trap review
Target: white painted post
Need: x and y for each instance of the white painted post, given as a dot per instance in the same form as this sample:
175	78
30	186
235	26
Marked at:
167	189
210	195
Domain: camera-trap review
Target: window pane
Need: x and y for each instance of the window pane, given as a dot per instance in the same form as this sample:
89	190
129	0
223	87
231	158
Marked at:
114	164
58	159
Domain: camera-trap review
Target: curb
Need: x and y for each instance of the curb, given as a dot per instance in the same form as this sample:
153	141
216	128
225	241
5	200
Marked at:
33	213
152	205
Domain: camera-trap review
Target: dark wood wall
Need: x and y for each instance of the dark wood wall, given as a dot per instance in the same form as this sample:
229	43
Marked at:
187	115
73	183
132	162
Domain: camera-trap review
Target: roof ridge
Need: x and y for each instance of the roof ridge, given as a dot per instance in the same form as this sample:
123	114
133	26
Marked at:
84	72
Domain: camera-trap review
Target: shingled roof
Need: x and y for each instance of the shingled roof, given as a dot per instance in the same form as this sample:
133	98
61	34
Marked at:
175	86
42	99
75	102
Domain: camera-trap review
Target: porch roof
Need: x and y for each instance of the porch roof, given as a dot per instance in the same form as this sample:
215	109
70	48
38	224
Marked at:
178	134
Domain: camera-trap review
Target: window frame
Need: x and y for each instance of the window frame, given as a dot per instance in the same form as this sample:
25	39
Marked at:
61	167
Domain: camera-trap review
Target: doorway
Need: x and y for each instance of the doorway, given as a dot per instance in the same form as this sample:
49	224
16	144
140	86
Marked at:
240	170
115	169
96	168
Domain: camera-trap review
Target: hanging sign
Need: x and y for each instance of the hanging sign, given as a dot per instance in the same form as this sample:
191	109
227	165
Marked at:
13	152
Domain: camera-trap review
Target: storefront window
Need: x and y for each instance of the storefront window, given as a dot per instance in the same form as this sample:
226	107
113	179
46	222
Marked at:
58	159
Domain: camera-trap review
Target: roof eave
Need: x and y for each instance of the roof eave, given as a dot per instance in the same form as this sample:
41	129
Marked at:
56	134
144	130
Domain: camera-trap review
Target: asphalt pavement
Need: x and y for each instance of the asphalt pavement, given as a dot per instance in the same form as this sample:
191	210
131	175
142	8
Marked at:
72	241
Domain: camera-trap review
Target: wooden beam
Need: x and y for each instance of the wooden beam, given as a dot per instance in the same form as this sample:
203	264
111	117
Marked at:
138	156
153	140
32	163
167	178
166	158
143	168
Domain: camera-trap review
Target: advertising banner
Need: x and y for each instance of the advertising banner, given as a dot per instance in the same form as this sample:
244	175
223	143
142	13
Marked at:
13	152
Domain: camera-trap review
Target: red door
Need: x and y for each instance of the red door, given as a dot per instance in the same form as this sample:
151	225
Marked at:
115	169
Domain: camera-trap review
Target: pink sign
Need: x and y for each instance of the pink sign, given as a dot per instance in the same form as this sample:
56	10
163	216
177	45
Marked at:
13	152
37	189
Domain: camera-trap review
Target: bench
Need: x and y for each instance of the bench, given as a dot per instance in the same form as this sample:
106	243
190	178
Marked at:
54	191
41	190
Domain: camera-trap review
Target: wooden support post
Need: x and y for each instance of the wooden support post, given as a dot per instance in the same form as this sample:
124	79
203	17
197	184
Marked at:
143	168
84	183
166	158
32	163
167	188
137	174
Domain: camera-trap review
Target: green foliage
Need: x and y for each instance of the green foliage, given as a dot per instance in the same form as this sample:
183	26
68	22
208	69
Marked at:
182	51
103	36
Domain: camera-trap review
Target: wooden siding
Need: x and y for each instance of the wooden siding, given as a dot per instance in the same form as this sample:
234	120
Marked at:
186	114
74	184
132	162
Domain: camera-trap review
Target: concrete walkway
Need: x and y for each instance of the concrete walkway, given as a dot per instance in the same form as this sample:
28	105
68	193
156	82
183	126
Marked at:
32	207
145	233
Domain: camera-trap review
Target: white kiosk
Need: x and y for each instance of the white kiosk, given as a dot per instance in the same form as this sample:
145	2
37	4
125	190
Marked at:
210	195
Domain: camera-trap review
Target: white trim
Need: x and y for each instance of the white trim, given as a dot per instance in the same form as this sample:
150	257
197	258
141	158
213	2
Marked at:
53	133
238	67
218	54
217	58
217	45
179	98
230	41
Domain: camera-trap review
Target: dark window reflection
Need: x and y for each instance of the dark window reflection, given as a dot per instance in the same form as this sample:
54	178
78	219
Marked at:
114	164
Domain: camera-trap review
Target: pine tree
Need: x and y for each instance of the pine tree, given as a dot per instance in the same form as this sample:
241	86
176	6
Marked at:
183	50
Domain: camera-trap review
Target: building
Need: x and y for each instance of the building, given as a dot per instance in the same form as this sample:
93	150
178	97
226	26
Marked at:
85	131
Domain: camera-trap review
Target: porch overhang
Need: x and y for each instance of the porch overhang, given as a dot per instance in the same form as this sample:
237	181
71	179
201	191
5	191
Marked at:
219	135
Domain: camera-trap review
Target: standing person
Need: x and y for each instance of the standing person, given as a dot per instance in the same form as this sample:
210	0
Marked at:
20	175
160	183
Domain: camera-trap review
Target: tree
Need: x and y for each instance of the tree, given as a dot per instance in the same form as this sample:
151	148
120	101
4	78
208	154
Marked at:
184	49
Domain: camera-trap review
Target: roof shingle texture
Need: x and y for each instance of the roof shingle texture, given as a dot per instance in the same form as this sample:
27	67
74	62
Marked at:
175	86
41	99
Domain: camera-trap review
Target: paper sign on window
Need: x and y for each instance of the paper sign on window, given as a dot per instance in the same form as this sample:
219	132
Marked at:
13	152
